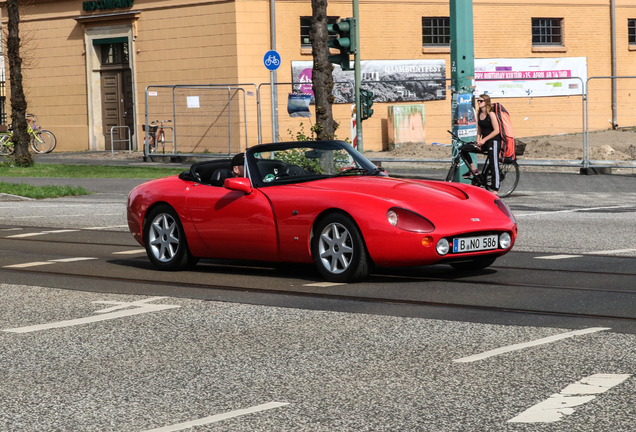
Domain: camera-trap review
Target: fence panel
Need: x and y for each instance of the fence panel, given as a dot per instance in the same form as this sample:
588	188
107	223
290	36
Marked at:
205	120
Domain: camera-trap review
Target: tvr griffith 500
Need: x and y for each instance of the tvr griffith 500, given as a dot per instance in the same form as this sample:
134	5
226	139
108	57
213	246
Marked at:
319	202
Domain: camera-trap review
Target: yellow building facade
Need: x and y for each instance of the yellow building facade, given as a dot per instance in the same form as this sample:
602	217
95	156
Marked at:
91	65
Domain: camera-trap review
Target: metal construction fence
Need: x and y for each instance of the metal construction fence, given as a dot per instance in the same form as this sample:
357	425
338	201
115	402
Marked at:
215	120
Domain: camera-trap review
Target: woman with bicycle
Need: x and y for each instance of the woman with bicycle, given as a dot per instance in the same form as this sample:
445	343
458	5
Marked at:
488	141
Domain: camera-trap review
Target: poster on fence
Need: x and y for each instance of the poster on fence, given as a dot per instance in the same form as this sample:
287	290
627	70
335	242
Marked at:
534	77
389	80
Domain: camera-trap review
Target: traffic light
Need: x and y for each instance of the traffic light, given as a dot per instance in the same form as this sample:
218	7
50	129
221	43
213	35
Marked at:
366	100
345	29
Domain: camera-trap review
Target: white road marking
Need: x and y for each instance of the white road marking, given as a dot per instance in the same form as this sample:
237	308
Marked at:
520	346
48	216
108	214
31	264
556	406
63	260
106	227
218	417
611	252
555	257
571	210
130	252
40	233
11	229
324	284
116	311
39	263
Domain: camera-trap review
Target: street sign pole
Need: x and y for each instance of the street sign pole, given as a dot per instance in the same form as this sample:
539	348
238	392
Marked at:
462	76
272	75
356	54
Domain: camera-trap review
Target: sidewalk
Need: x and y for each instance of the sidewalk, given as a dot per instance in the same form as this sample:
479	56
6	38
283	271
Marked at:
530	181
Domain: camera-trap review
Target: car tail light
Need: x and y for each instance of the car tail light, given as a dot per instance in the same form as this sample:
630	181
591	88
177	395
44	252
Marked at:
506	210
409	221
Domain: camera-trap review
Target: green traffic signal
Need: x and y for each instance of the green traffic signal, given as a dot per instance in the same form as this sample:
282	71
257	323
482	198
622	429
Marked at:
366	100
345	29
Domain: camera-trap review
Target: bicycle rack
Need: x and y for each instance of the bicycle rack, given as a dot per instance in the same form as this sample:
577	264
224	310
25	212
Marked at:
112	146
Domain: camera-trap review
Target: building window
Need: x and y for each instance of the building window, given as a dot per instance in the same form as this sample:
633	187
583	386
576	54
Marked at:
547	31
631	31
305	26
435	31
115	53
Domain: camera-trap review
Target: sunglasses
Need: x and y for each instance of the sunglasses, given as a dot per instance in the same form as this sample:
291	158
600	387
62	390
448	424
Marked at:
480	100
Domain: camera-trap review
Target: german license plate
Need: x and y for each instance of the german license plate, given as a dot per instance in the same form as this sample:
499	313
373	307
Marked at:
471	244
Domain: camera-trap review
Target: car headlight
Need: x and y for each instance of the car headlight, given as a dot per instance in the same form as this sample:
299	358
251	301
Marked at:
443	247
505	210
409	221
504	240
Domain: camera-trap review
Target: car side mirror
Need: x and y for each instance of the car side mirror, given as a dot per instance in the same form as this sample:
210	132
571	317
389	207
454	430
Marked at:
238	184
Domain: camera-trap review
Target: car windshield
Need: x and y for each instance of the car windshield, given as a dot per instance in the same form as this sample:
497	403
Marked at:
308	160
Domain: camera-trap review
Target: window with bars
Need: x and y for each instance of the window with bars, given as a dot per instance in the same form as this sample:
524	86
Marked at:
435	31
631	31
547	31
305	26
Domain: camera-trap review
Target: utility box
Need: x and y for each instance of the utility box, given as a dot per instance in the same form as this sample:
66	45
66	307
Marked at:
406	125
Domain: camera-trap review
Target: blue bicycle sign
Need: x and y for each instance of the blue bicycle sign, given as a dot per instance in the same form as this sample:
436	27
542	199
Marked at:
271	60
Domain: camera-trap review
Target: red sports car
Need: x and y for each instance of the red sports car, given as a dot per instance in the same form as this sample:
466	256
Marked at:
320	202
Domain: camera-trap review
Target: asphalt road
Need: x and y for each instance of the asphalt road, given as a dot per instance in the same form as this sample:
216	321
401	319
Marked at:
87	345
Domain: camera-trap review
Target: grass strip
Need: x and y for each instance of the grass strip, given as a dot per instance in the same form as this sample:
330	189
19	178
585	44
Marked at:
41	192
86	171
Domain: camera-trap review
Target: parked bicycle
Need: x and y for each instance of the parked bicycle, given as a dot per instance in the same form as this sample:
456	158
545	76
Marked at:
156	135
41	140
508	172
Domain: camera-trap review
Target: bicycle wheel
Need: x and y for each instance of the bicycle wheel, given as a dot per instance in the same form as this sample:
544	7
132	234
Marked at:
451	172
43	141
508	178
6	146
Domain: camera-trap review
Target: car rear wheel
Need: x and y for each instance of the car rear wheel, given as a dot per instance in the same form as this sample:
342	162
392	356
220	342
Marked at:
339	250
165	240
475	264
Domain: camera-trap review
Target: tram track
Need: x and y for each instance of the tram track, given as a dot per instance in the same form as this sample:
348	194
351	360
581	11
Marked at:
346	297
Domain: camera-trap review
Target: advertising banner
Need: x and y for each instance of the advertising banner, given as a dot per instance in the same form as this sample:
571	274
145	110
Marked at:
464	120
389	80
534	77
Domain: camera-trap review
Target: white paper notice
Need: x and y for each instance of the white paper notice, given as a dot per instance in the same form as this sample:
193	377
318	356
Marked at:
193	102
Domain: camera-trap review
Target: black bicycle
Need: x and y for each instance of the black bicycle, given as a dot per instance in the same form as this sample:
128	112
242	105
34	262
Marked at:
508	171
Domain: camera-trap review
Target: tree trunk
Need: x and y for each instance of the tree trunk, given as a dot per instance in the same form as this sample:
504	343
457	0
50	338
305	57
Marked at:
322	79
21	138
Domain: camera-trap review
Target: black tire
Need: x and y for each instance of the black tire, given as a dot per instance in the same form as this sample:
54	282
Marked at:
451	172
508	178
43	141
338	249
165	241
474	264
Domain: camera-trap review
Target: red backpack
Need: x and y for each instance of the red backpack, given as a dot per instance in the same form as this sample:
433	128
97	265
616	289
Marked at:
507	152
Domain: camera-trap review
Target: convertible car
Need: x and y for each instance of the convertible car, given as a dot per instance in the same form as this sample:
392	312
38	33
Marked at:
320	202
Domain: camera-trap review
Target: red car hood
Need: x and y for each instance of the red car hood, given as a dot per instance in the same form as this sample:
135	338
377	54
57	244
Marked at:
450	206
391	189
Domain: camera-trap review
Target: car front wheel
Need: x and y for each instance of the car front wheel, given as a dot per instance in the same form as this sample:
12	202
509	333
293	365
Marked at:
339	250
165	240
